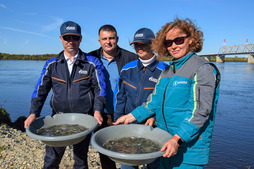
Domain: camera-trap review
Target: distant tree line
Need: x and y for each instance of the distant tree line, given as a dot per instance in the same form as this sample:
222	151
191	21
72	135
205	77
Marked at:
230	59
213	59
236	59
5	56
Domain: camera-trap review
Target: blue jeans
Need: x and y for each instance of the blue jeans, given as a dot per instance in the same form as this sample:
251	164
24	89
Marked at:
54	155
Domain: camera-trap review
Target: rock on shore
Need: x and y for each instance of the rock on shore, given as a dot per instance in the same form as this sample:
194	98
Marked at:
19	151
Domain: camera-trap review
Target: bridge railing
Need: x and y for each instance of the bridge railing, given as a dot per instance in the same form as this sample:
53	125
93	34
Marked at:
237	49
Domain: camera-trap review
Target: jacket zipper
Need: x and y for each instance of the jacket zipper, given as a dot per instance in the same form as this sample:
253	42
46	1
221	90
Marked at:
140	84
90	98
69	85
163	103
52	102
173	66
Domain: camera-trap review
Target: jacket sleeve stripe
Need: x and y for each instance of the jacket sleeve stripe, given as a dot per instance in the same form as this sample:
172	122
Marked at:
150	97
194	97
41	79
99	78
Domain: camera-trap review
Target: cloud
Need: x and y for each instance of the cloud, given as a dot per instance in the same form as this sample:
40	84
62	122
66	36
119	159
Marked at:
23	31
3	6
53	26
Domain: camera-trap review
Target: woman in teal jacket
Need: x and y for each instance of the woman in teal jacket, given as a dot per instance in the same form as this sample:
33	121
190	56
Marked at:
185	97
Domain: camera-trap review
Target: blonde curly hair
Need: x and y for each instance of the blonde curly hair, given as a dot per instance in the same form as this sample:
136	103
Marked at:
187	26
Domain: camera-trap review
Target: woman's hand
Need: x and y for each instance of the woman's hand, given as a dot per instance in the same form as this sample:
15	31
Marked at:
150	121
126	119
98	117
171	147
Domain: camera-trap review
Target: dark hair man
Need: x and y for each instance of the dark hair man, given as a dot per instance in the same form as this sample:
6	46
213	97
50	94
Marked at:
113	58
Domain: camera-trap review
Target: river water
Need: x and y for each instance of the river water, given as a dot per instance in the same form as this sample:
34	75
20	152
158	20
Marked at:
233	136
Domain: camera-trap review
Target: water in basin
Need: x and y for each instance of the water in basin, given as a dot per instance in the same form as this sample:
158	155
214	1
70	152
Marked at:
61	130
132	145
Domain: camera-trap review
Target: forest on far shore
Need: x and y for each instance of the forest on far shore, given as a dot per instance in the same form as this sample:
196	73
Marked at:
5	56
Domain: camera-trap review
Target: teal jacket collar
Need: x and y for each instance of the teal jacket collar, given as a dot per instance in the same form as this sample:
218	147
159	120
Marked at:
176	64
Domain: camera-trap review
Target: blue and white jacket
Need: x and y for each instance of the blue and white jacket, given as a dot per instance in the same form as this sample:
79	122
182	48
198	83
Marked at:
185	101
81	92
134	85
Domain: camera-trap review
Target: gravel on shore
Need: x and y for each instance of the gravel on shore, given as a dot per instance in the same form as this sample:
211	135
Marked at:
23	152
19	151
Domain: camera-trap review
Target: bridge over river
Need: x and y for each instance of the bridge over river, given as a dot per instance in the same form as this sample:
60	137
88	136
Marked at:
247	49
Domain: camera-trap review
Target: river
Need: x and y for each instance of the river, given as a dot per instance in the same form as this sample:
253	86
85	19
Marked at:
233	136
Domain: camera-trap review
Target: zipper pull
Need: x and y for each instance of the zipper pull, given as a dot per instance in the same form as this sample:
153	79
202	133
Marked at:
173	67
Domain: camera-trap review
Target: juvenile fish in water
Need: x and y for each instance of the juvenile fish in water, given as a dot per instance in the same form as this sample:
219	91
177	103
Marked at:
132	145
61	130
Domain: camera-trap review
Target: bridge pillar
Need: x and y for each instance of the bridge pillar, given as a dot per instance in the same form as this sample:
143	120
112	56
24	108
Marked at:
208	58
220	58
250	59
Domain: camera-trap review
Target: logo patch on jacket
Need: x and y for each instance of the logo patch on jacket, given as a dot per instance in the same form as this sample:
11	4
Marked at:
175	83
84	72
153	79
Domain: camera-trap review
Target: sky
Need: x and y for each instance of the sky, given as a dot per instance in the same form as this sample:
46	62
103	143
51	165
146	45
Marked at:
32	26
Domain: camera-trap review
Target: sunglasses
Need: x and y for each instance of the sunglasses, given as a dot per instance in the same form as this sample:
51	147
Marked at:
68	37
177	41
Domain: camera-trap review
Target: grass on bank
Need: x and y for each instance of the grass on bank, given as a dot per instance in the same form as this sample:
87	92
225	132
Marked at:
4	117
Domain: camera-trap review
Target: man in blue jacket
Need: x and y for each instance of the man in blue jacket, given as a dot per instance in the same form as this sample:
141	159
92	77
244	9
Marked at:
78	85
137	81
113	58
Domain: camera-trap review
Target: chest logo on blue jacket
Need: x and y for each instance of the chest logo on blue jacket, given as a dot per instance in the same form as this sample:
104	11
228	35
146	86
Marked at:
153	79
84	72
175	83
